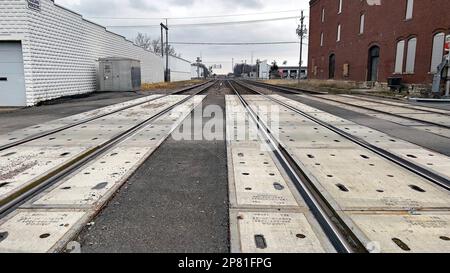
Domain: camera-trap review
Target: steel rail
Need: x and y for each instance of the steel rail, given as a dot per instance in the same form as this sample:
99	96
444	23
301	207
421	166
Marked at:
71	125
340	235
301	91
13	202
425	173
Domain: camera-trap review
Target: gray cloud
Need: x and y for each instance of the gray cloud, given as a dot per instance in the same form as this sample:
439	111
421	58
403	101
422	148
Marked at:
183	2
143	5
259	32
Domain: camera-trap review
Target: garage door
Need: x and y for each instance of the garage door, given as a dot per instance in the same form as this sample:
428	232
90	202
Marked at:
12	81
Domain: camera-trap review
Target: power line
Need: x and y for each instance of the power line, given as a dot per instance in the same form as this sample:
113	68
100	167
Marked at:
208	24
192	17
235	44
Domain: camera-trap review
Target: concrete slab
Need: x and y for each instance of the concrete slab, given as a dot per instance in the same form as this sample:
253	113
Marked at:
405	233
271	232
398	110
267	213
257	180
425	158
76	198
358	179
54	124
400	104
37	231
98	180
24	165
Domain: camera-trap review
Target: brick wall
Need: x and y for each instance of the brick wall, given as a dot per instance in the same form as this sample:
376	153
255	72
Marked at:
385	25
60	49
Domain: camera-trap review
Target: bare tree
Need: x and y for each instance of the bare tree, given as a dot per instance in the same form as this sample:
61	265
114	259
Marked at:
156	46
144	41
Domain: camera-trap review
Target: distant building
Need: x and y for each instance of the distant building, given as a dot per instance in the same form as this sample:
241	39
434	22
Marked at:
263	69
372	40
291	72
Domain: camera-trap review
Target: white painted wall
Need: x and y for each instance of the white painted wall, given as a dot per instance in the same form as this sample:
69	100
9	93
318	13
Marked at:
264	70
61	50
180	69
197	72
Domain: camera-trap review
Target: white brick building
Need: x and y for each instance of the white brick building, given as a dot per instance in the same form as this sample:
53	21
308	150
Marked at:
47	51
180	69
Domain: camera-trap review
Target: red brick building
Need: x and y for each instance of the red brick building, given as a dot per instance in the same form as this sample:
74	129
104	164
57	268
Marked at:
371	40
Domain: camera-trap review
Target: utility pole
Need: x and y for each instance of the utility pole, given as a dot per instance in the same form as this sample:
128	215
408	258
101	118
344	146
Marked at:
301	32
162	41
167	71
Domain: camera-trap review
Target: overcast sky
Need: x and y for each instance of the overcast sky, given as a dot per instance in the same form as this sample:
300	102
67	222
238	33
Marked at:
257	32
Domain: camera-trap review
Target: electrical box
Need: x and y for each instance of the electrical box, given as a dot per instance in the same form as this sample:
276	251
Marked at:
119	74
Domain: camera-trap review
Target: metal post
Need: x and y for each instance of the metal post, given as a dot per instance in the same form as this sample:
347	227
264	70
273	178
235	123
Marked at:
447	86
301	31
167	52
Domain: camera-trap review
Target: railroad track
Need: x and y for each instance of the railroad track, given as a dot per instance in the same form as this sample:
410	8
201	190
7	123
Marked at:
339	233
299	91
26	139
342	232
12	201
411	166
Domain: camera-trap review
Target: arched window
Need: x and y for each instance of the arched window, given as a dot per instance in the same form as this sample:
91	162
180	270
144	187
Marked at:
374	60
438	51
399	57
411	55
331	66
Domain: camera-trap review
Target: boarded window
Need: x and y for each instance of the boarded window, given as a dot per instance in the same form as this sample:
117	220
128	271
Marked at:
438	51
399	57
411	56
